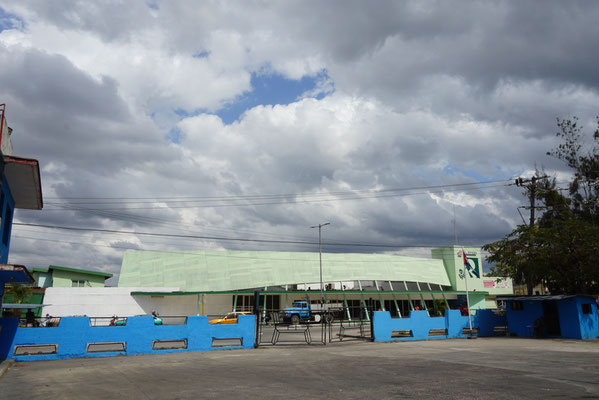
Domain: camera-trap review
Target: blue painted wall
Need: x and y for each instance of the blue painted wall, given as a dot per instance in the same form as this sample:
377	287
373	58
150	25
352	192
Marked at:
74	333
7	207
520	322
569	318
420	324
573	323
589	323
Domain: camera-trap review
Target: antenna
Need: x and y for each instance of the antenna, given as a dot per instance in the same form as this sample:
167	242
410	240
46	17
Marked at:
454	221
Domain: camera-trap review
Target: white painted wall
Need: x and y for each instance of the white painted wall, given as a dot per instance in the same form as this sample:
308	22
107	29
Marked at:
218	304
109	301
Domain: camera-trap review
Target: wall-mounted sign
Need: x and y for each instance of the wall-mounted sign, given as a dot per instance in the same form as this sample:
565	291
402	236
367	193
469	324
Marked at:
497	284
473	271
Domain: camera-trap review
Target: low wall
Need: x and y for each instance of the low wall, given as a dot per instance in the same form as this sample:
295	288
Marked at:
106	301
419	326
74	334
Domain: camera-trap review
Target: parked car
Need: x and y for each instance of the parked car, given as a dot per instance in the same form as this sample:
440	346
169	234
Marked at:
230	318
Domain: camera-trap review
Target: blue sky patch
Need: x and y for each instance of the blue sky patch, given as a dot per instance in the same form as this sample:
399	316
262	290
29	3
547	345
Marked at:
267	89
9	21
452	170
153	4
174	135
272	89
201	54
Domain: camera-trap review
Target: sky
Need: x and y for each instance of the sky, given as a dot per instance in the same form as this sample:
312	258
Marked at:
188	125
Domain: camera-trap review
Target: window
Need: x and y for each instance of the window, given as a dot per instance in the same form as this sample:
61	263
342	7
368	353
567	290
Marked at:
517	305
246	302
586	308
77	283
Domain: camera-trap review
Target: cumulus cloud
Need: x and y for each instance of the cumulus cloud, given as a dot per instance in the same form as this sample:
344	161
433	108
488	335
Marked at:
119	102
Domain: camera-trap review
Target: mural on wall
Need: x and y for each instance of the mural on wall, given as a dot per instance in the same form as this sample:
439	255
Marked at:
496	284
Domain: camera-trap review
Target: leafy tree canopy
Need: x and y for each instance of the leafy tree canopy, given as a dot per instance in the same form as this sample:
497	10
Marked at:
560	249
18	292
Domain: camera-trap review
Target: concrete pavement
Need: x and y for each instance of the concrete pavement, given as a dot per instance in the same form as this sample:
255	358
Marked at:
484	368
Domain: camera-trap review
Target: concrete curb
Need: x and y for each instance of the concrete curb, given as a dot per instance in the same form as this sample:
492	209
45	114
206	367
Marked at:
5	365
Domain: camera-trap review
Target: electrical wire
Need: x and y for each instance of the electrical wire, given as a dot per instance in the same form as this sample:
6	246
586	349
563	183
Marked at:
142	219
215	254
214	237
268	196
289	201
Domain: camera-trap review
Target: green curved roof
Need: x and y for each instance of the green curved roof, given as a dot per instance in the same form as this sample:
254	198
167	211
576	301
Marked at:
237	270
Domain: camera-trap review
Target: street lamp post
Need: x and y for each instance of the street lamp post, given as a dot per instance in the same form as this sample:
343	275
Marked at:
319	226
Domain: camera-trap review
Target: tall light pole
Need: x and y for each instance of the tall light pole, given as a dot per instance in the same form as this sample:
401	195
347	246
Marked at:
319	226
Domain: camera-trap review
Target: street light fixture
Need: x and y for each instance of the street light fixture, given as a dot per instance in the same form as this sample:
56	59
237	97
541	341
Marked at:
319	226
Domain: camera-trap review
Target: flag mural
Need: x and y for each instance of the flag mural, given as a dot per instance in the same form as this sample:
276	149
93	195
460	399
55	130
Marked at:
472	271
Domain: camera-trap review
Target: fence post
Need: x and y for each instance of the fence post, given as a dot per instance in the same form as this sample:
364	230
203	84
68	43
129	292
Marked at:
371	316
257	315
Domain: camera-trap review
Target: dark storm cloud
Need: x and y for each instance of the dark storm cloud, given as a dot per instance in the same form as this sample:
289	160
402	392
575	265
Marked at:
485	46
79	122
52	83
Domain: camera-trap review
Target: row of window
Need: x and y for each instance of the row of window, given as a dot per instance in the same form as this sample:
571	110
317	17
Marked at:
246	302
356	307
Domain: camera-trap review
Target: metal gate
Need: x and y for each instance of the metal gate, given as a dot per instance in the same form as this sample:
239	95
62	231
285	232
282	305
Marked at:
274	330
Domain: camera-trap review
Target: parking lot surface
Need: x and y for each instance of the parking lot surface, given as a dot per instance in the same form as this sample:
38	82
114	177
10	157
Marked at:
483	368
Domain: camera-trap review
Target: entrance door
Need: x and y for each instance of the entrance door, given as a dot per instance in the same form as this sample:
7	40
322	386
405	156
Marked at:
551	317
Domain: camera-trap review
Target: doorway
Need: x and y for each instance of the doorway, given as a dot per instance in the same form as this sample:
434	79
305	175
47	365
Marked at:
551	317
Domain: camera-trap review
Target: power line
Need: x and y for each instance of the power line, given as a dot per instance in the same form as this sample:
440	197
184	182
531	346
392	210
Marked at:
222	238
266	196
70	207
168	223
199	251
160	221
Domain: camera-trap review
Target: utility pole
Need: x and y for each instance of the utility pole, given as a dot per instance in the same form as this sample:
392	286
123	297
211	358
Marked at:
455	221
319	226
531	186
533	193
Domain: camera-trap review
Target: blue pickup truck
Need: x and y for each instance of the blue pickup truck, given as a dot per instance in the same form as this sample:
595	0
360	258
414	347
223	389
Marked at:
302	311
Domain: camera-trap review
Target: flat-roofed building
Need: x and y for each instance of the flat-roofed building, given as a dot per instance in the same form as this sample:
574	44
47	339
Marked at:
222	281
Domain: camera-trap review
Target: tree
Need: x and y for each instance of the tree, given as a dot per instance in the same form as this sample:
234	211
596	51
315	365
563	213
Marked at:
584	187
561	249
520	256
18	293
572	249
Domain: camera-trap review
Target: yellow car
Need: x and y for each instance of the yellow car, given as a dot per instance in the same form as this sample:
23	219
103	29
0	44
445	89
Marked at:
230	318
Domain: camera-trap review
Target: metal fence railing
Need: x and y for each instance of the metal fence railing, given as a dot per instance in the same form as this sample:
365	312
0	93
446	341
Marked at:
39	322
108	321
